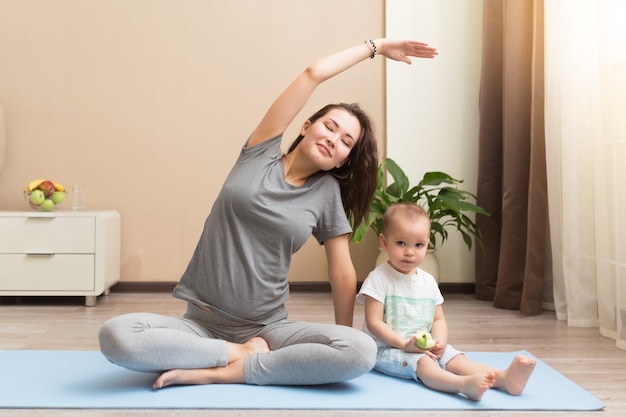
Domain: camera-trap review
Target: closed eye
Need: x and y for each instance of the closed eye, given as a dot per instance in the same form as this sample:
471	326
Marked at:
347	139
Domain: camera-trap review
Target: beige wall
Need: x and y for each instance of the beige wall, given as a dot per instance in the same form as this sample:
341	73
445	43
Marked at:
148	102
432	110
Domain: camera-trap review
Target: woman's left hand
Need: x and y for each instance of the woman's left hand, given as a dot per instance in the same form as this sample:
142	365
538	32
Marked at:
402	50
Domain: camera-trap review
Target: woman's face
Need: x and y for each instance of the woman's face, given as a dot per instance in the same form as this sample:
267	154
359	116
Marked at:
329	140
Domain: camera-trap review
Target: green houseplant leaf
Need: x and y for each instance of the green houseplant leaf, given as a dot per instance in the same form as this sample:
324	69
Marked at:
438	193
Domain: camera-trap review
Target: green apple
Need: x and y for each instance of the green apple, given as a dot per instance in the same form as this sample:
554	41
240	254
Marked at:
424	340
37	197
58	197
47	204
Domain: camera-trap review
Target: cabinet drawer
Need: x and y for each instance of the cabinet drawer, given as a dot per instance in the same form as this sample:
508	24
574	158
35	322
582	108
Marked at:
47	235
47	272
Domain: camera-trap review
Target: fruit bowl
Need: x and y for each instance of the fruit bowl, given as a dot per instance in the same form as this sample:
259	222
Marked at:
44	195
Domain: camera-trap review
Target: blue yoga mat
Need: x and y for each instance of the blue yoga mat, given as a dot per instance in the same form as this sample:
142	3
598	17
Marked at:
86	380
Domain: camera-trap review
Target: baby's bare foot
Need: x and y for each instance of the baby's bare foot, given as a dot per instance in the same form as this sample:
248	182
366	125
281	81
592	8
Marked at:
513	380
476	385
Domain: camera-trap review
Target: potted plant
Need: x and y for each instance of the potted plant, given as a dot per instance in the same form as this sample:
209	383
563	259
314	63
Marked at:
438	193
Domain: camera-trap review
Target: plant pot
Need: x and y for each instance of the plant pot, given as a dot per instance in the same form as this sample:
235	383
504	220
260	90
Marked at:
430	264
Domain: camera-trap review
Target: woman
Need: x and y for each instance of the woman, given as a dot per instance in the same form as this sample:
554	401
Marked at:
235	329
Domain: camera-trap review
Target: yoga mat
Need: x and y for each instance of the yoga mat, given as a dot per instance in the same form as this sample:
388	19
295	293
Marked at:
86	380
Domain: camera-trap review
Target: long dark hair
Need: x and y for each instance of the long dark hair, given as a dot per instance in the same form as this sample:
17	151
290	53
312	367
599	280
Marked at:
358	175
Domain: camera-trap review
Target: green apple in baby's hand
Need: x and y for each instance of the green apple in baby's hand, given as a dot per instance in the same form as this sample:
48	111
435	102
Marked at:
424	340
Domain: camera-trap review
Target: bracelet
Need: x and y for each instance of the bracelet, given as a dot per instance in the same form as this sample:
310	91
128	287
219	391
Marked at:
372	46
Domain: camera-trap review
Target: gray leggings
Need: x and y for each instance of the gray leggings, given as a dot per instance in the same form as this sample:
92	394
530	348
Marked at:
300	353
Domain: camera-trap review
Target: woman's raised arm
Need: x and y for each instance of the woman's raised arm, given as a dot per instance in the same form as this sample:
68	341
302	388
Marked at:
285	108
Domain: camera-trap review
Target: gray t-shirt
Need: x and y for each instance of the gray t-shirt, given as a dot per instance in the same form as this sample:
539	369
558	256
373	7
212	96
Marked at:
258	221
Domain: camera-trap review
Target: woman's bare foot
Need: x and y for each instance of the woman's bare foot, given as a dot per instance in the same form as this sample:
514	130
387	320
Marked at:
252	346
190	377
231	374
474	386
513	380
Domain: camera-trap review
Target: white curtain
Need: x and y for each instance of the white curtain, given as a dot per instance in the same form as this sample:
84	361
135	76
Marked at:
585	100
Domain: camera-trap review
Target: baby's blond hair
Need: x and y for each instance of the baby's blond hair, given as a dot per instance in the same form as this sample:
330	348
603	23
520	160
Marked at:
408	211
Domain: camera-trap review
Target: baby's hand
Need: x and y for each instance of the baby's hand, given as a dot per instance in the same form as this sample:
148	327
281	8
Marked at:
438	349
412	347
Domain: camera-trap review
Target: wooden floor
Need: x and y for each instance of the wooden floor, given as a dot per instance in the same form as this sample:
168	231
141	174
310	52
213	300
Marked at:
582	355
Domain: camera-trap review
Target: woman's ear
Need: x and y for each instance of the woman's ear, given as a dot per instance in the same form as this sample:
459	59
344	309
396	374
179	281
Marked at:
304	128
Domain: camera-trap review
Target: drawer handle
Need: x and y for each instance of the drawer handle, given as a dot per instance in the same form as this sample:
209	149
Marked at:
41	254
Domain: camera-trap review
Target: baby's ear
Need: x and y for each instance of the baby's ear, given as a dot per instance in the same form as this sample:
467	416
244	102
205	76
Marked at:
382	241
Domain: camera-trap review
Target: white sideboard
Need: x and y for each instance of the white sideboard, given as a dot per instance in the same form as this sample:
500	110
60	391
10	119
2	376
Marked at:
68	253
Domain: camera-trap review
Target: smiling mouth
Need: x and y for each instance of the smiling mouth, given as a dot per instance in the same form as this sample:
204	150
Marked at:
325	149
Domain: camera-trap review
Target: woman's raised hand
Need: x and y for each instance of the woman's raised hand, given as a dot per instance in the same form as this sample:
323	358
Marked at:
402	50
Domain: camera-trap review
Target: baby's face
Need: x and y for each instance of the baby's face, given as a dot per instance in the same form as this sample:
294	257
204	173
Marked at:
406	243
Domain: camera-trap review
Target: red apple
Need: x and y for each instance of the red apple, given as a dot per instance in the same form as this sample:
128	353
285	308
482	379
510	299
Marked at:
47	187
